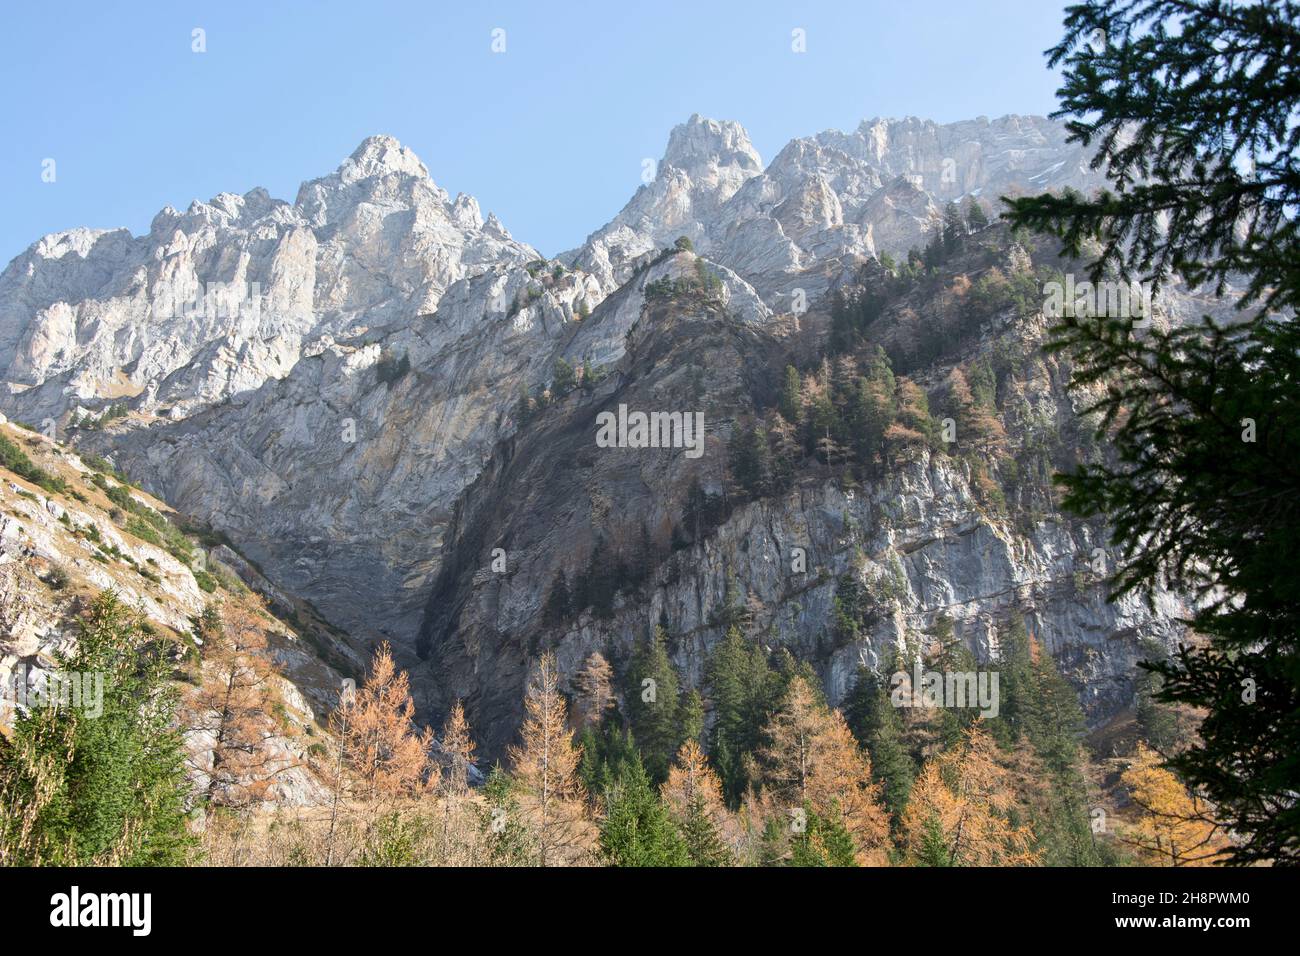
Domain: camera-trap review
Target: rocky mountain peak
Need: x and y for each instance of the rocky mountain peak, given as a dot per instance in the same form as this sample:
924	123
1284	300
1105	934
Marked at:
700	147
380	156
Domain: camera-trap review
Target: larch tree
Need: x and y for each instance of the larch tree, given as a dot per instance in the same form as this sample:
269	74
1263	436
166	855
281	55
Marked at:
230	711
459	747
693	795
1175	827
962	803
458	750
811	760
595	687
546	768
386	756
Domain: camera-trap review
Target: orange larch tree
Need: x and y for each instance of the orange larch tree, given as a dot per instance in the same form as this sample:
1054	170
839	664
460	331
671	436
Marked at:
385	755
229	714
962	800
1175	828
594	685
546	768
812	759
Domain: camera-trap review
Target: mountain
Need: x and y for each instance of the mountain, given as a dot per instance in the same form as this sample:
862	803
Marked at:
388	407
825	198
72	529
89	315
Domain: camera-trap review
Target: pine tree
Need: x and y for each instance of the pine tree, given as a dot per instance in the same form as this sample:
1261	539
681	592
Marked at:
564	378
605	750
653	702
637	830
791	402
690	716
501	827
559	602
546	768
954	228
876	725
933	849
110	789
824	841
750	459
524	407
1190	104
743	690
1158	723
1040	712
976	217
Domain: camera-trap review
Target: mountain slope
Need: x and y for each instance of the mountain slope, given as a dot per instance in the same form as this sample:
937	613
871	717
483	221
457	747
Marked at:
358	429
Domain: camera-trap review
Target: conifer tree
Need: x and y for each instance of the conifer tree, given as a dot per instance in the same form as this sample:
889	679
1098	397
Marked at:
964	800
1175	828
505	836
786	450
559	601
605	749
810	759
653	704
954	228
743	690
387	758
1158	722
546	768
791	403
565	378
1190	105
690	716
595	688
823	841
231	711
637	830
458	746
693	795
109	789
876	725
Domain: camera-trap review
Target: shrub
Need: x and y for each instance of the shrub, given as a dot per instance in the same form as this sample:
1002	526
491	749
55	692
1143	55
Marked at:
16	460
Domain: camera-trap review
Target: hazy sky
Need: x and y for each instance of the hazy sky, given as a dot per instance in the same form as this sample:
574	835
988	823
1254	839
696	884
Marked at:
550	134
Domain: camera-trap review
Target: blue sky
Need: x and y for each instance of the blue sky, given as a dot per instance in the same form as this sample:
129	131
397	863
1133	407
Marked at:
550	135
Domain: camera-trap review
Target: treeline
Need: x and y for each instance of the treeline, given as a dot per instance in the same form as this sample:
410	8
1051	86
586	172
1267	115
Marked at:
632	768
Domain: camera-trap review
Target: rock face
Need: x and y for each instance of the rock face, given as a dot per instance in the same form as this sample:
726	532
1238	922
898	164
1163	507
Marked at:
215	301
919	540
335	384
825	198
